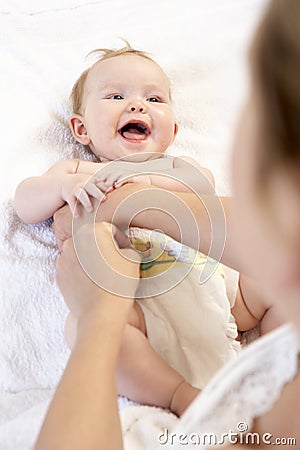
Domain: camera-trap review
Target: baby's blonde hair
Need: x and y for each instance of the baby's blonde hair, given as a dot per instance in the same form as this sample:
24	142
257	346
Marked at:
103	54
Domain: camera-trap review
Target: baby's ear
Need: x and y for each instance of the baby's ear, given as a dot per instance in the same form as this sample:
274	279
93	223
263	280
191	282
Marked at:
78	129
175	130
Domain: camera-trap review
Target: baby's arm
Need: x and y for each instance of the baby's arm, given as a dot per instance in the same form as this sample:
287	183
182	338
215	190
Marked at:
176	174
186	174
37	198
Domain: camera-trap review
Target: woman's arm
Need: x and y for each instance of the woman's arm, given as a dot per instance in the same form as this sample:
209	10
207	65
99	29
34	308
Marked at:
84	410
149	207
84	413
154	205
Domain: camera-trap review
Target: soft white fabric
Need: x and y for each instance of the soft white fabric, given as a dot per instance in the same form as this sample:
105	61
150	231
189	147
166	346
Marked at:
32	351
201	45
21	416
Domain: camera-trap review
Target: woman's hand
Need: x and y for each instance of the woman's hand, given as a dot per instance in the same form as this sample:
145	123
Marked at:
108	259
62	225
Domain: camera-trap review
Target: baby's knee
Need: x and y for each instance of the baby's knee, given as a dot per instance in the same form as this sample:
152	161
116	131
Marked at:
134	342
270	321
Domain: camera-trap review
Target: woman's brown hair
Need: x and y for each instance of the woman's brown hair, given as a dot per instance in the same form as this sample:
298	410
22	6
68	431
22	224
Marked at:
275	58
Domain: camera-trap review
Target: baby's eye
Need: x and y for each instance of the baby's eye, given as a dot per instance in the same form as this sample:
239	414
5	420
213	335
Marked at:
116	97
153	99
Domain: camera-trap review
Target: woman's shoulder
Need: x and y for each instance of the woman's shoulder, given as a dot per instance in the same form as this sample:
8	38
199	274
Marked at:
246	387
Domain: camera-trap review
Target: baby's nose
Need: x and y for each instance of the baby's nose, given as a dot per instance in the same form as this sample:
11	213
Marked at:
140	109
137	106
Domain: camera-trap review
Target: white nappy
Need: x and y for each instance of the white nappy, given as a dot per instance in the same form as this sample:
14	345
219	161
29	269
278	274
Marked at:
190	326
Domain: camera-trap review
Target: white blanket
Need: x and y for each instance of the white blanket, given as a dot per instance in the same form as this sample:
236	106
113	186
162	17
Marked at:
201	44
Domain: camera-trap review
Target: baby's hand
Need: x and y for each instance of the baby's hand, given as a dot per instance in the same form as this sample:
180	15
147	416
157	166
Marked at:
80	187
116	178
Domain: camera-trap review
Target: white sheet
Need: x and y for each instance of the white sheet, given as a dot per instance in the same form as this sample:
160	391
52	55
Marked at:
201	44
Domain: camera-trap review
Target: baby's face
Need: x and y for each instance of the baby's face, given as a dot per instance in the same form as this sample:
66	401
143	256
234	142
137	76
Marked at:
127	108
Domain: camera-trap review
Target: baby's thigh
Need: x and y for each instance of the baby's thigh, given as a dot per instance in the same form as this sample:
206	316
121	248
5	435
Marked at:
137	319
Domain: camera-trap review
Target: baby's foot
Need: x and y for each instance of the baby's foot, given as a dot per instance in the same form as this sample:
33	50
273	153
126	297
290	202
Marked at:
182	397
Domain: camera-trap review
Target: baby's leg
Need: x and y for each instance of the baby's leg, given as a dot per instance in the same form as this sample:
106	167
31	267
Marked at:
136	319
270	320
143	376
251	308
248	308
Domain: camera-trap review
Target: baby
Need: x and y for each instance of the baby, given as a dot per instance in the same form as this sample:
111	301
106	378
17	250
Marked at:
122	109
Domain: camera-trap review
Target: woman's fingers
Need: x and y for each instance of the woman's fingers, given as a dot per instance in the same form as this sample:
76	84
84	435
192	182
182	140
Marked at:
115	249
62	225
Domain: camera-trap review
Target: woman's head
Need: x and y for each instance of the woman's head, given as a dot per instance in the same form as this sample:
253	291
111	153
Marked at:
266	156
275	63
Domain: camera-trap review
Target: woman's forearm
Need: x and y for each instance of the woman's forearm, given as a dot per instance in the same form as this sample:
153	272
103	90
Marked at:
147	206
84	410
150	207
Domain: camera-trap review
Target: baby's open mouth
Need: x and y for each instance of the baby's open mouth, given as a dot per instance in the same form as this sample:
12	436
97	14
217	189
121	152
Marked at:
137	131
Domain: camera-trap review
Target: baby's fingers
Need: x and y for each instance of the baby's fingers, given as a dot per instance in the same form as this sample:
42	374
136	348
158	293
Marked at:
112	179
105	187
118	179
83	198
95	191
102	186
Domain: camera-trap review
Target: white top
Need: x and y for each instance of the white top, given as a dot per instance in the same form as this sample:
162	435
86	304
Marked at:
245	388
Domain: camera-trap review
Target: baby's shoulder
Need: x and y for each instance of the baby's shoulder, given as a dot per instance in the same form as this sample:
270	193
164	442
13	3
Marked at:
184	160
